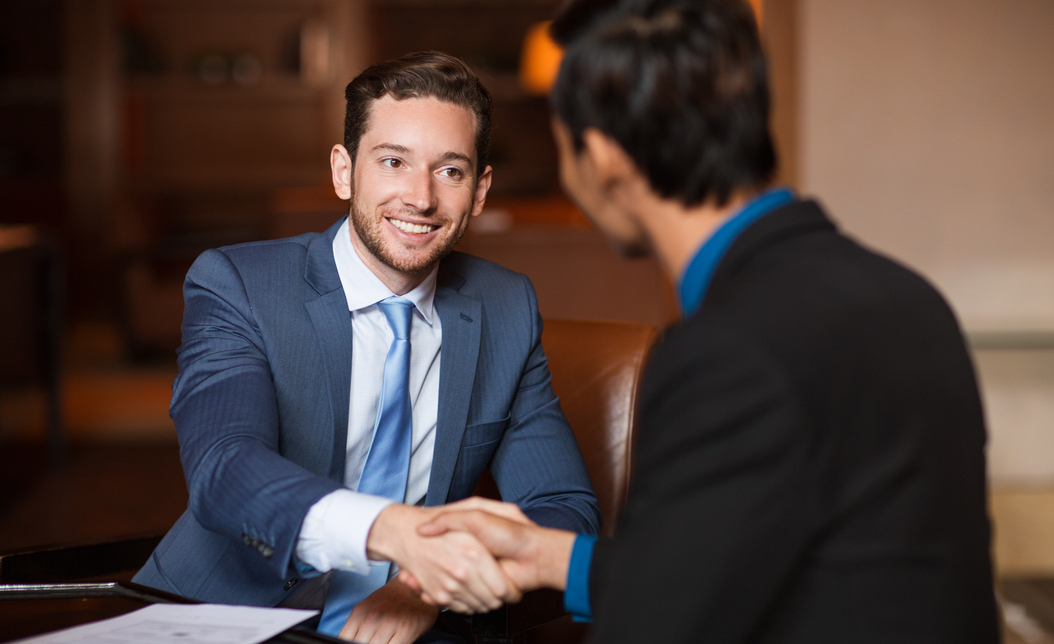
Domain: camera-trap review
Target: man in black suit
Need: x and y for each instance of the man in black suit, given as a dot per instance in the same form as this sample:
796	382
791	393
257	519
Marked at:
810	464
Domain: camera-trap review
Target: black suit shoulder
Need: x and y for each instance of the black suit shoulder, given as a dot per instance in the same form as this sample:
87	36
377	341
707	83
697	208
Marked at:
811	463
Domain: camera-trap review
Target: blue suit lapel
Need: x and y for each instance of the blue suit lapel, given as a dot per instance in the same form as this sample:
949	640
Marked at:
332	322
460	316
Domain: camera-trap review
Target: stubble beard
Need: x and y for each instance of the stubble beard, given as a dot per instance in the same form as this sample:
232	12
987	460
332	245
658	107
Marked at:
368	231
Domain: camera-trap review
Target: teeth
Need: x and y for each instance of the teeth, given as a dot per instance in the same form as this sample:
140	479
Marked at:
407	227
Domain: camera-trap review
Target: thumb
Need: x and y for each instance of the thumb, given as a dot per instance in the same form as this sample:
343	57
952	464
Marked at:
432	529
446	522
410	581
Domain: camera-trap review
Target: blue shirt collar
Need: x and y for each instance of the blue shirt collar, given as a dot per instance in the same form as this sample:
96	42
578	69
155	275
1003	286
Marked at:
700	270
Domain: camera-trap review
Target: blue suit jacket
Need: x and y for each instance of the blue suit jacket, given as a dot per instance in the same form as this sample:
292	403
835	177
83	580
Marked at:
261	410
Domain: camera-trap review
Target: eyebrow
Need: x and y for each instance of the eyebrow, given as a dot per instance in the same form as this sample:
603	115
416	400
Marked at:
402	149
457	156
392	147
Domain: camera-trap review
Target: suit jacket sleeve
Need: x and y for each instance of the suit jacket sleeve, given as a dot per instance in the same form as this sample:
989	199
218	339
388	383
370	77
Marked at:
225	411
721	475
537	464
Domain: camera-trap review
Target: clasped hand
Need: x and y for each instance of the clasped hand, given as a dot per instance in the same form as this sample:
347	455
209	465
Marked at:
491	553
446	566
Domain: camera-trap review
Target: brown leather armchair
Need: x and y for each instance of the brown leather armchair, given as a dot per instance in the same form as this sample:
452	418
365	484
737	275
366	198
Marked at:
596	368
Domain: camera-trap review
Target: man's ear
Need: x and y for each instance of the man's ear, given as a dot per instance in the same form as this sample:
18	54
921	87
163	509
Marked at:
482	186
340	165
611	163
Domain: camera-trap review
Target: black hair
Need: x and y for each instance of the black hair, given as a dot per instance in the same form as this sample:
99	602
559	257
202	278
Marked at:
682	86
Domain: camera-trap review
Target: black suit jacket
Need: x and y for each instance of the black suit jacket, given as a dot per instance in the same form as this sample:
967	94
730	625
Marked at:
810	461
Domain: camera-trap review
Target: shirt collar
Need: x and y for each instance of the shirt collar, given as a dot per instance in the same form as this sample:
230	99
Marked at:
697	275
363	289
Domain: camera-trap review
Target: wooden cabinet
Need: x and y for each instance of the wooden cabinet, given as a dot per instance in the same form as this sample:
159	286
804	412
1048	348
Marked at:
195	113
236	102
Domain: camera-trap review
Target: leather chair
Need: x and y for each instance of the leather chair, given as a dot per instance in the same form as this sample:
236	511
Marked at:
596	368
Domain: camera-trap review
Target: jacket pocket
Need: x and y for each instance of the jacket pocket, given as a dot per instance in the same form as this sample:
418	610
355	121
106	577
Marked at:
483	433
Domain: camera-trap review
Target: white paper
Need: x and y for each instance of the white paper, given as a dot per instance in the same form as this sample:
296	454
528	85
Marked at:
182	624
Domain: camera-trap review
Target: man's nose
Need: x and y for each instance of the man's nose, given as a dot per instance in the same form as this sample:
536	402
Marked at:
420	193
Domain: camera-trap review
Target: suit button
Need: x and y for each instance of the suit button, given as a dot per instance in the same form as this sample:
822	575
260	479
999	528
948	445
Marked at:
289	584
266	550
248	540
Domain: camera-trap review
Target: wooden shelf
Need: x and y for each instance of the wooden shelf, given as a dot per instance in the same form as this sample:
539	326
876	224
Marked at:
205	177
171	91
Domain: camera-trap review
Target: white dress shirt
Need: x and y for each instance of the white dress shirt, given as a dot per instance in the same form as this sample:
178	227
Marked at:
334	532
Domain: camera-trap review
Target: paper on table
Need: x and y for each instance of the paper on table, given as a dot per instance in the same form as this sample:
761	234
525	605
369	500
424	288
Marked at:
182	623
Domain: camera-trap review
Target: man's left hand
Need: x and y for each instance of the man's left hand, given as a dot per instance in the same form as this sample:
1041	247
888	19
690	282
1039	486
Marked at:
393	614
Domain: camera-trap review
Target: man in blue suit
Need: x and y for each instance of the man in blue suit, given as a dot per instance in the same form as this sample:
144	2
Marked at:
283	349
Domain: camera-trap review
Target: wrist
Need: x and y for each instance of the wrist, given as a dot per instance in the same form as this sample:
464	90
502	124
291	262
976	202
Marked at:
555	557
382	542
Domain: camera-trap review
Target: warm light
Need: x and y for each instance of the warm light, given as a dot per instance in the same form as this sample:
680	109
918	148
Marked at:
757	6
540	60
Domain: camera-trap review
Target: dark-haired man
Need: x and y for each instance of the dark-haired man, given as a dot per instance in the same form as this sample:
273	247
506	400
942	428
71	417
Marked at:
810	457
331	384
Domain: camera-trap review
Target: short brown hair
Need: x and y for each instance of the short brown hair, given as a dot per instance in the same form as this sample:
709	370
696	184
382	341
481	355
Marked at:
426	74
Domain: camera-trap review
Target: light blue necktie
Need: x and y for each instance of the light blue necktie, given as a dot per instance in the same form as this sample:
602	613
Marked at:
387	463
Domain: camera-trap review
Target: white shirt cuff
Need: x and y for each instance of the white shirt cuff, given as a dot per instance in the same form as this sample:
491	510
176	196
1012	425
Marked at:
334	532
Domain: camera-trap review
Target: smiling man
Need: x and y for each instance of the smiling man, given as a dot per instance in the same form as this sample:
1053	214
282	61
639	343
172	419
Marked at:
333	385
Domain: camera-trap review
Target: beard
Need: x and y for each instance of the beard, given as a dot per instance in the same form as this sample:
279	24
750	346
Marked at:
368	230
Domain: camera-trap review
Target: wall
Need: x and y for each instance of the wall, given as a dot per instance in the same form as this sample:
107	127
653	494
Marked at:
927	127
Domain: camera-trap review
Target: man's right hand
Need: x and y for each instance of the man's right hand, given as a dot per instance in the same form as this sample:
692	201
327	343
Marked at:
452	569
530	556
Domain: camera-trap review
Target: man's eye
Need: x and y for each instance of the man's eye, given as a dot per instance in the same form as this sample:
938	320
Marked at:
392	163
452	173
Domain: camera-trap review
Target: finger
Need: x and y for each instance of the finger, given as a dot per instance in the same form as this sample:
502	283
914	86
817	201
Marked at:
483	577
428	599
459	606
515	594
461	521
432	529
500	587
411	582
510	511
457	518
496	534
352	631
471	590
519	577
457	593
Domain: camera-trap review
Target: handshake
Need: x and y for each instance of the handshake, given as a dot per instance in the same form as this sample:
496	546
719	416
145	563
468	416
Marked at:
471	556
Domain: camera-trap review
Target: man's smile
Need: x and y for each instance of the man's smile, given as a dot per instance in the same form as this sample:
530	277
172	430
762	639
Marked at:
408	227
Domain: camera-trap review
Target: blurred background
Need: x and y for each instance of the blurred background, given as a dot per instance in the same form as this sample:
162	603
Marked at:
136	133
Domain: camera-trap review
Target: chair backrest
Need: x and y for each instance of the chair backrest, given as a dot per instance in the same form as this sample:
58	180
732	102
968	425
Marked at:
596	368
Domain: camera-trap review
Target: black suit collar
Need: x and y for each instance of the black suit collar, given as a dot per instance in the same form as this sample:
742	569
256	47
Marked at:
794	219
